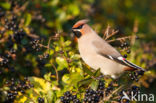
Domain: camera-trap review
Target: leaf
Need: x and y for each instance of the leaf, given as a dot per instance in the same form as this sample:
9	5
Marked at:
67	43
75	78
85	81
24	41
27	19
41	87
51	52
47	76
57	48
73	9
66	78
40	84
62	63
88	71
5	5
21	99
75	56
94	84
97	73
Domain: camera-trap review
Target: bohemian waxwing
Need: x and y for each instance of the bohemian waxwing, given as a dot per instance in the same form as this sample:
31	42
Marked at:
97	53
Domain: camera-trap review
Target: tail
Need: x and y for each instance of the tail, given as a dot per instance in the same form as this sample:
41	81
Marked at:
132	66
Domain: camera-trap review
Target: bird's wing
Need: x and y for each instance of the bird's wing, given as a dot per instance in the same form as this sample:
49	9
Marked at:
106	50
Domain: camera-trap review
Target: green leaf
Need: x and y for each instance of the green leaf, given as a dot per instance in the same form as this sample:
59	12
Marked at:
40	84
97	73
73	9
88	71
85	81
62	63
47	76
24	41
94	84
27	19
75	78
66	78
5	5
51	52
67	43
57	48
75	56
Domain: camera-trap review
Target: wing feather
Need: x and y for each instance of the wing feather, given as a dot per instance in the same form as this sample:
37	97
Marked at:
106	50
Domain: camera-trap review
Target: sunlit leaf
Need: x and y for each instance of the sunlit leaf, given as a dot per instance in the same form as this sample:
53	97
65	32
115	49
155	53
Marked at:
85	81
94	84
67	43
97	73
66	78
47	76
88	71
62	63
27	19
5	5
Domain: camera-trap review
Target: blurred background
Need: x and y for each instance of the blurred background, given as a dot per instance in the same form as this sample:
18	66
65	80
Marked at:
27	25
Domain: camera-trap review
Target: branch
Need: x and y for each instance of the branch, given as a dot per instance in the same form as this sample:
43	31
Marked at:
116	90
112	34
57	77
122	38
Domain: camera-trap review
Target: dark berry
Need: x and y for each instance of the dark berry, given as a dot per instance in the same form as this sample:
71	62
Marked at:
40	100
128	51
125	55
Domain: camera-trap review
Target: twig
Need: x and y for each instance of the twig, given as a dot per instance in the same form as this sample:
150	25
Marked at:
112	34
57	77
1	59
49	42
116	90
106	32
33	35
41	45
119	39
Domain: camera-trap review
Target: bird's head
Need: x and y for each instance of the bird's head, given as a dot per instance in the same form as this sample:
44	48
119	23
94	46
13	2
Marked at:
80	28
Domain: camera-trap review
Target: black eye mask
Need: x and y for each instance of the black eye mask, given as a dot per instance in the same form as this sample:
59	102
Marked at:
79	27
77	34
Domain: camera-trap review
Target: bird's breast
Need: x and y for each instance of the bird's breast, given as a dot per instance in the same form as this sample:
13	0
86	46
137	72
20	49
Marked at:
94	60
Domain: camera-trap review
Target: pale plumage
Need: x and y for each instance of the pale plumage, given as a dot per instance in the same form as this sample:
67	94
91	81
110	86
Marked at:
97	53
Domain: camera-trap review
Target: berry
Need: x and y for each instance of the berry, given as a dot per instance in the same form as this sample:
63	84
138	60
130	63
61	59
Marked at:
40	100
128	51
125	55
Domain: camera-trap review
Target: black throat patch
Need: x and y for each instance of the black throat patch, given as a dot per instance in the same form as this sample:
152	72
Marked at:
77	34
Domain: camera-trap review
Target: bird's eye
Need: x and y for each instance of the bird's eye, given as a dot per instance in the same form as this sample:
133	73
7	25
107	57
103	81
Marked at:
80	27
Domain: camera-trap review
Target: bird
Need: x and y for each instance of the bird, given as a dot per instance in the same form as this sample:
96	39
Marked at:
97	53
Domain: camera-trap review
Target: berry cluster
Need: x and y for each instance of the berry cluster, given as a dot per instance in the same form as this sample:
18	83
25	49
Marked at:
125	46
14	41
92	96
135	75
16	86
40	100
35	44
3	61
68	97
41	60
2	13
109	89
132	91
